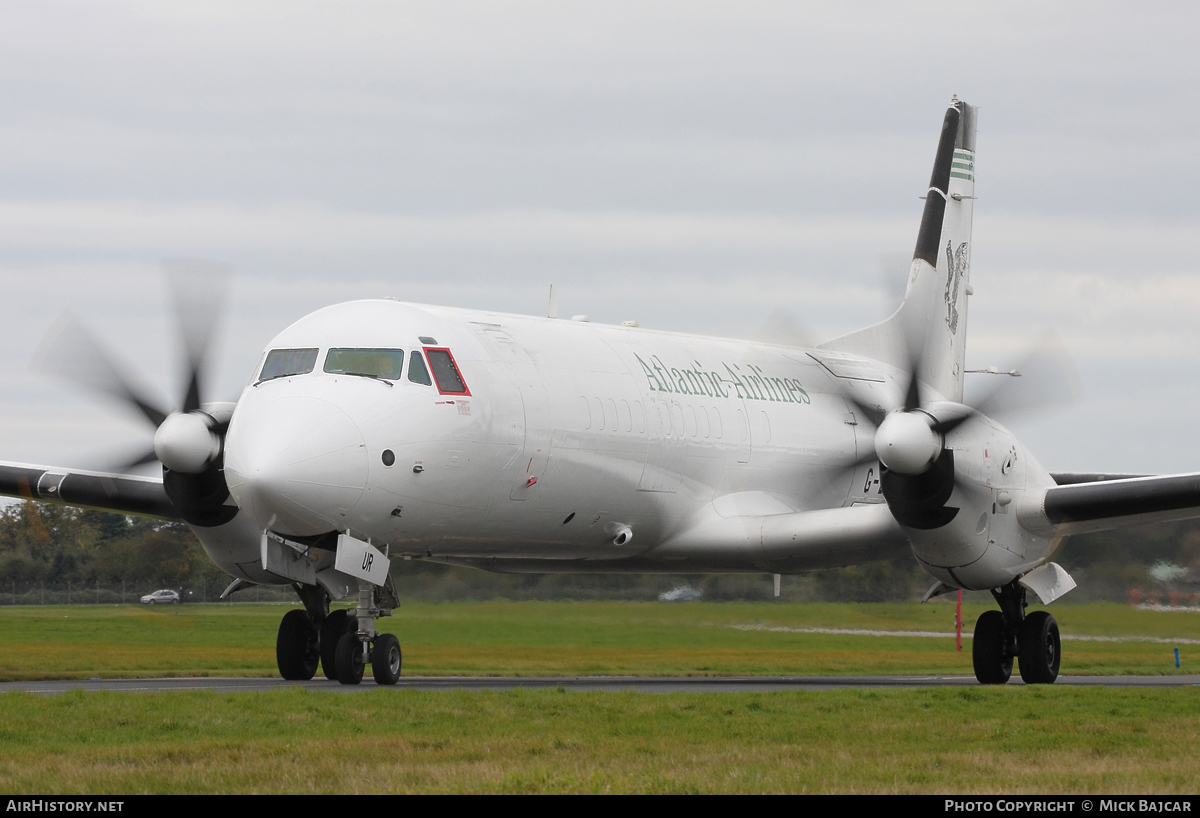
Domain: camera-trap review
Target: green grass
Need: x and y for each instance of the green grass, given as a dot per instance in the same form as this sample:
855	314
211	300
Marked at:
965	740
968	740
569	638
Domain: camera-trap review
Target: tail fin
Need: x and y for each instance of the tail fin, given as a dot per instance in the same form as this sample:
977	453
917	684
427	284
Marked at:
931	324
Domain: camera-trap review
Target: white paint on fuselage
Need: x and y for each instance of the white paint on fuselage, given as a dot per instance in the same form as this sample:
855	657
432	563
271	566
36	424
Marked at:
616	425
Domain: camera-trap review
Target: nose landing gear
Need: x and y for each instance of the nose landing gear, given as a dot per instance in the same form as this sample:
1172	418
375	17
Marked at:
355	648
1001	636
352	655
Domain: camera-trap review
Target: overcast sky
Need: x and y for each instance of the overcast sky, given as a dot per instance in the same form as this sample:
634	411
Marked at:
691	165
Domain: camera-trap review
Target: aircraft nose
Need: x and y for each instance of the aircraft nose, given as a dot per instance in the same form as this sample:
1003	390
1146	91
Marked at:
295	465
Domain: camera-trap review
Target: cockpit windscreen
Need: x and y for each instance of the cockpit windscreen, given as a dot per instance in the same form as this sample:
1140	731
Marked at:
283	362
373	363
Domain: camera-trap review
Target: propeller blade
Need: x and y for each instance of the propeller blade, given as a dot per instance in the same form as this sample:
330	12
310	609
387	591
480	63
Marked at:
893	272
1048	380
72	354
843	471
949	424
912	395
132	463
780	328
198	290
871	413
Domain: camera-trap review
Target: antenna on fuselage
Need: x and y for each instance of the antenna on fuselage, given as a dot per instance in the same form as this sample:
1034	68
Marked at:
552	311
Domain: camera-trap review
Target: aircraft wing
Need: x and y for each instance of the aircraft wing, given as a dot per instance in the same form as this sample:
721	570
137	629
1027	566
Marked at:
738	530
120	493
1081	507
1071	478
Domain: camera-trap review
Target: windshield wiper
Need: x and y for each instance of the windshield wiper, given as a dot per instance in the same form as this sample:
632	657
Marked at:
379	378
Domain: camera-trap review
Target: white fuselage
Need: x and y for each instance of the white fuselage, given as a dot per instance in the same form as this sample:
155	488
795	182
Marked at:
614	425
571	446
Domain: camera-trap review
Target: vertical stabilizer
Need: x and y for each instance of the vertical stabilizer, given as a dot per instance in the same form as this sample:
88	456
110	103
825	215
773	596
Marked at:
930	327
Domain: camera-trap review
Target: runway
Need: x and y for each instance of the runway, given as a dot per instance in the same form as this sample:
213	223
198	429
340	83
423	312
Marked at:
644	684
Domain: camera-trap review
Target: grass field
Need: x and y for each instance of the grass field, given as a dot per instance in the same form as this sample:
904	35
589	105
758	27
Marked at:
963	740
569	638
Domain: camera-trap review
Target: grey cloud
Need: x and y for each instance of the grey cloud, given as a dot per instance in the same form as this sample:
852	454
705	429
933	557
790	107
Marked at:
692	165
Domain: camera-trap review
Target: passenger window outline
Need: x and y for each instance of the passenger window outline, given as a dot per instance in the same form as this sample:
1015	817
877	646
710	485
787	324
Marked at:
466	390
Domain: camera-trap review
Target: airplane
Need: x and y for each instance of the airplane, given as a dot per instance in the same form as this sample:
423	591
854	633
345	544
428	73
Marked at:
381	430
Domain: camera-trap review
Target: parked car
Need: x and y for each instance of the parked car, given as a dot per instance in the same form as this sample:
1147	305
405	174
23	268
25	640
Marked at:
161	597
684	593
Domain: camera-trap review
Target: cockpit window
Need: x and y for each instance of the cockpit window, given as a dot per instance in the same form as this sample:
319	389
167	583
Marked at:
417	373
373	363
281	363
449	379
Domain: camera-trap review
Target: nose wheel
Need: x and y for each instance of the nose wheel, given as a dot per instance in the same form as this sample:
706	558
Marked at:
385	659
1001	636
348	659
352	656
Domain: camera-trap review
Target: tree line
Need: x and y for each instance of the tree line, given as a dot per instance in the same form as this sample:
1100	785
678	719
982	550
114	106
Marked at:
44	543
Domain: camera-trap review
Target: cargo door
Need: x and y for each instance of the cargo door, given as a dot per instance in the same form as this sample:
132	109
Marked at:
530	466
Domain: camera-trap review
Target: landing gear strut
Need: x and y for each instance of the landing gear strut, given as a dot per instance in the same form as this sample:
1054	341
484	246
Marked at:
1001	636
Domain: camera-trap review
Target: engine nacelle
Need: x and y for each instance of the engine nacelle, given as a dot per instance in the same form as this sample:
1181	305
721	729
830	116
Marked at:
961	514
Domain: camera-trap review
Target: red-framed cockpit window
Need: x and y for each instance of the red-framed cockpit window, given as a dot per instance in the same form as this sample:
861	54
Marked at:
445	372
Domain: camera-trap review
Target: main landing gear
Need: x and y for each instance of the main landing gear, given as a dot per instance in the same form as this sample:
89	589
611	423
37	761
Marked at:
1001	636
343	642
297	647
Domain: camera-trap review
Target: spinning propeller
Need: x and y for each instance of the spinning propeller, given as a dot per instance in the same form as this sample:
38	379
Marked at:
188	441
917	475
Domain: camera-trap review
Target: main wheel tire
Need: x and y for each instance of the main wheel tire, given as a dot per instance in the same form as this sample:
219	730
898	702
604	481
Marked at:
989	650
296	649
385	659
1039	649
335	626
349	659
